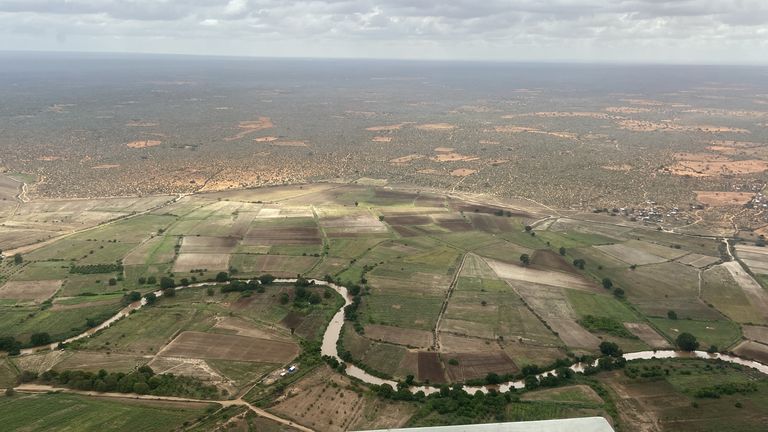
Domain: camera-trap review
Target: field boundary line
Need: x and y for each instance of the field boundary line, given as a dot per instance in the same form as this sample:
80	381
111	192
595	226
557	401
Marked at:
444	308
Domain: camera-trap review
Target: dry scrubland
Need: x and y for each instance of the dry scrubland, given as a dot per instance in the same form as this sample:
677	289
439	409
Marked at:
446	296
657	151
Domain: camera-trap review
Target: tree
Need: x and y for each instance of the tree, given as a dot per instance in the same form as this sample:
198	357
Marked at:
222	277
151	298
142	280
41	338
266	279
672	315
169	292
314	299
579	263
528	228
17	259
133	296
610	349
284	298
525	259
151	280
607	283
166	282
209	291
562	251
10	392
687	342
618	293
112	282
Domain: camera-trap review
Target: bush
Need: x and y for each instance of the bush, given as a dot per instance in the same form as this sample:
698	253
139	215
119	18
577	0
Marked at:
266	279
40	339
610	349
672	315
222	277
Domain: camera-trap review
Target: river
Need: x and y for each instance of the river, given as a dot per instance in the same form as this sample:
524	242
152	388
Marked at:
333	333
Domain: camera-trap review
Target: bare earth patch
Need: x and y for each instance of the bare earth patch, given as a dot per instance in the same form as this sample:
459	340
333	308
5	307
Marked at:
384	139
752	350
192	261
249	127
462	172
199	345
143	143
384	128
29	290
400	336
406	159
627	110
647	334
105	166
453	157
527	274
436	127
718	199
266	139
709	165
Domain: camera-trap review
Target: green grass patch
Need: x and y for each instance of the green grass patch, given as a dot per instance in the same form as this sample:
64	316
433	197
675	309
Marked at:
719	333
78	413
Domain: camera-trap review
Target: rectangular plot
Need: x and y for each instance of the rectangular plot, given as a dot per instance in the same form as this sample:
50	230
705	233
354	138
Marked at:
648	335
207	245
430	368
630	255
479	365
229	347
29	290
400	336
195	261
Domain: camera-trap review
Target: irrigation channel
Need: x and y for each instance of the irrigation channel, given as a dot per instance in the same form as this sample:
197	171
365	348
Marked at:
333	332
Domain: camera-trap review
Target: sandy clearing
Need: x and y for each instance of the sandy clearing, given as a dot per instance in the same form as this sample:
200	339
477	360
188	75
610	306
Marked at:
444	149
462	172
105	166
266	139
514	129
430	171
249	127
488	142
526	274
381	139
29	290
757	296
49	158
648	335
143	143
436	127
141	124
453	157
717	168
406	159
385	128
718	199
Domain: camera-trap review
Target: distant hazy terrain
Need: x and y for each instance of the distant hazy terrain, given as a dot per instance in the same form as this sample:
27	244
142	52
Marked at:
570	136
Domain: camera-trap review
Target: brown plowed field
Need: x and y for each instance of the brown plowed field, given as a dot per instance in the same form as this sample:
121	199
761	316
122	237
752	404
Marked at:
199	345
476	365
400	336
430	368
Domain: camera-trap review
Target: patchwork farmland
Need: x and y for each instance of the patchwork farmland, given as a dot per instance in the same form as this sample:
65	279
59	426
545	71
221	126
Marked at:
451	290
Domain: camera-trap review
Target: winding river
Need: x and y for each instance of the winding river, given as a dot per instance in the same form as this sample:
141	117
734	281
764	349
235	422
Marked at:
333	333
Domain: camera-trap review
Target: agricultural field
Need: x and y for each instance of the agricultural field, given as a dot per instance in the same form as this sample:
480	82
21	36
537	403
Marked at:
50	411
448	289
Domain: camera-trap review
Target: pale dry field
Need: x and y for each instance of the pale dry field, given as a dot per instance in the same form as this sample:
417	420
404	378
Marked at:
527	274
36	291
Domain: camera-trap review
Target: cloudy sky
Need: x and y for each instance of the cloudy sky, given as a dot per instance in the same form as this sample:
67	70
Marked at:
677	31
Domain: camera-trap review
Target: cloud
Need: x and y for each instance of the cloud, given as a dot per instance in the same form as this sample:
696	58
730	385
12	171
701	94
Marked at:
649	30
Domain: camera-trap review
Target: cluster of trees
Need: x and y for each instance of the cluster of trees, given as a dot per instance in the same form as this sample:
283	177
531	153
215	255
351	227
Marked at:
687	342
452	403
240	286
605	324
141	381
731	388
10	345
96	268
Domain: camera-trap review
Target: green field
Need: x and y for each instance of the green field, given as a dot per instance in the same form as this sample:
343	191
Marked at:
76	413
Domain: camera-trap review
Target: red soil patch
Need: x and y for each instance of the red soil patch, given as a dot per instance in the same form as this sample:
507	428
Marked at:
718	199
